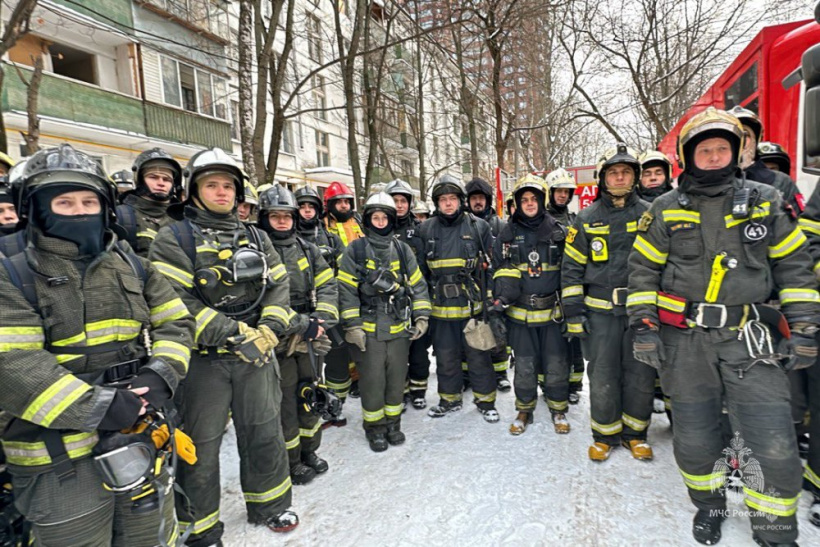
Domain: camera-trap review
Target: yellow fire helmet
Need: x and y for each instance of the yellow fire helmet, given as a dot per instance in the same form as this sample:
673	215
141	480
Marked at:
655	157
561	178
711	120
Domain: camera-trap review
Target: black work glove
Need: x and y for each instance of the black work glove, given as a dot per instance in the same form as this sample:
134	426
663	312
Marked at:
647	347
498	324
576	327
159	392
801	347
495	307
312	329
123	412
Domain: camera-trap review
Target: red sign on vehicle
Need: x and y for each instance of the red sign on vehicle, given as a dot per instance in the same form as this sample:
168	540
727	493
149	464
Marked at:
586	194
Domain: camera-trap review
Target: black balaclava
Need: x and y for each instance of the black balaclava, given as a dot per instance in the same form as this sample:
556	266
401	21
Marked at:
338	216
695	177
264	224
383	232
86	231
534	221
448	220
657	191
305	225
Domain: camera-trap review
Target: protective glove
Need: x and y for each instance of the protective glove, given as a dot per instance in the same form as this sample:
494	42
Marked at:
357	337
576	327
647	346
254	346
499	327
321	345
496	306
312	329
801	347
159	392
123	412
184	445
419	328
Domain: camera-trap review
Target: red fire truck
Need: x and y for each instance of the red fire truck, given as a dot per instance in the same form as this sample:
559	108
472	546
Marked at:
754	80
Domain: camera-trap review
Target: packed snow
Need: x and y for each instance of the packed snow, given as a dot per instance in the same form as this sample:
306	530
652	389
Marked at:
458	480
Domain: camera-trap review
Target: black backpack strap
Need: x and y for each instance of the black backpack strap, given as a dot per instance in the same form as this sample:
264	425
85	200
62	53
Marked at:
133	261
402	260
253	236
184	233
127	219
22	277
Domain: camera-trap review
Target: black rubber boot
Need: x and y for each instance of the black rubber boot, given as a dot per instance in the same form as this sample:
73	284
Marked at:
315	462
706	526
377	440
763	543
301	474
394	434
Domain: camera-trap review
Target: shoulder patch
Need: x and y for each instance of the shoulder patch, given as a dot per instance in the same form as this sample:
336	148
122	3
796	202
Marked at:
571	235
645	221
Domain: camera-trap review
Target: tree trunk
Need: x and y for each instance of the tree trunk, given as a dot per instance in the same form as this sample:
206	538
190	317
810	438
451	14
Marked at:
246	46
32	99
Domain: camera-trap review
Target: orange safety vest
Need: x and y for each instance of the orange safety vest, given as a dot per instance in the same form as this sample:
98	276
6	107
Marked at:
347	231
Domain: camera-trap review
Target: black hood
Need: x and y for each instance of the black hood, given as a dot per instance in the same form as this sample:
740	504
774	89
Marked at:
480	186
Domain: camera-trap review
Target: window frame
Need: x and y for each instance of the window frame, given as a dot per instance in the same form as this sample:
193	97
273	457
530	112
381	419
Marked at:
212	80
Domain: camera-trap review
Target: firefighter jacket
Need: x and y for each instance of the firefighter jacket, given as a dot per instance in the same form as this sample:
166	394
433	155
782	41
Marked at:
562	215
784	184
386	314
810	224
456	265
594	270
313	290
347	231
215	239
691	247
96	305
13	244
141	218
527	275
407	230
329	244
491	217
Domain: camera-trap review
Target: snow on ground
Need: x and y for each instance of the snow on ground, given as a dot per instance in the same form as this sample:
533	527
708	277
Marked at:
461	481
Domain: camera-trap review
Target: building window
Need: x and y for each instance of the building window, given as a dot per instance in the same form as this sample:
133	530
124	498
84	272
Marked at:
319	99
314	36
742	88
407	167
73	63
194	90
236	133
170	81
287	138
322	149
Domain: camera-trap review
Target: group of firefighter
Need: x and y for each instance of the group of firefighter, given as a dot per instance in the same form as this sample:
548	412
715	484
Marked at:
145	312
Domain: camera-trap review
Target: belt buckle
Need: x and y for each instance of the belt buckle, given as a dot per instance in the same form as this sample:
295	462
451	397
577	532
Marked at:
619	296
702	320
450	290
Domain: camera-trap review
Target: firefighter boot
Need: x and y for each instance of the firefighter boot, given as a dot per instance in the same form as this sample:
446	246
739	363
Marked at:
560	423
706	526
599	452
444	408
312	460
814	512
301	474
282	522
377	440
520	424
394	434
763	543
640	449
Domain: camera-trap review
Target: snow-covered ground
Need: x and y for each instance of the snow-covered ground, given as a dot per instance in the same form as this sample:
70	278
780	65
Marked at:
461	481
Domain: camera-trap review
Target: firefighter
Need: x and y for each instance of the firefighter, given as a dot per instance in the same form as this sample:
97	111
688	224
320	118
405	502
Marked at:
562	188
456	247
247	209
510	203
235	285
384	305
78	313
593	280
342	221
755	169
707	256
527	285
774	157
314	297
124	180
143	212
13	241
407	230
309	225
8	214
420	210
656	175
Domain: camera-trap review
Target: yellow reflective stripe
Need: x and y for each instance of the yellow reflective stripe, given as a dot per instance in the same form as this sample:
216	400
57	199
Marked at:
811	476
149	233
302	263
394	329
681	215
277	312
77	445
49	404
21	338
557	405
574	254
634	423
649	251
170	311
76	339
207	248
310	433
290	444
607	429
421	305
575	328
328	308
393	410
278	272
758	212
345	277
204	524
640	298
576	376
632	226
810	226
111	330
416	277
790	296
202	319
790	243
669	304
172	350
451	312
64	358
270	495
447	263
507	272
323	277
484	397
373	416
530	316
596	230
180	276
572	290
782	507
350	313
712	481
597	303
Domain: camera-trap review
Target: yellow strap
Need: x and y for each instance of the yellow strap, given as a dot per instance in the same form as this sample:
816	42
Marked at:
716	279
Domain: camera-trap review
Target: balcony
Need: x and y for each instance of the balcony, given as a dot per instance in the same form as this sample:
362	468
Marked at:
205	17
116	12
182	126
76	101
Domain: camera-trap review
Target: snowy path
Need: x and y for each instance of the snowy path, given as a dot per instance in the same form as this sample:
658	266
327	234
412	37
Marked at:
460	481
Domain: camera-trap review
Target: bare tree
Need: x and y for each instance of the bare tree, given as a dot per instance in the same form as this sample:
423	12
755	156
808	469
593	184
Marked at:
32	136
17	26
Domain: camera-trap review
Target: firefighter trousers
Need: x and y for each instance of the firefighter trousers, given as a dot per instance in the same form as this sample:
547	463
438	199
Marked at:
621	388
214	386
382	372
576	366
539	348
338	364
760	466
808	381
419	366
300	426
79	511
449	345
